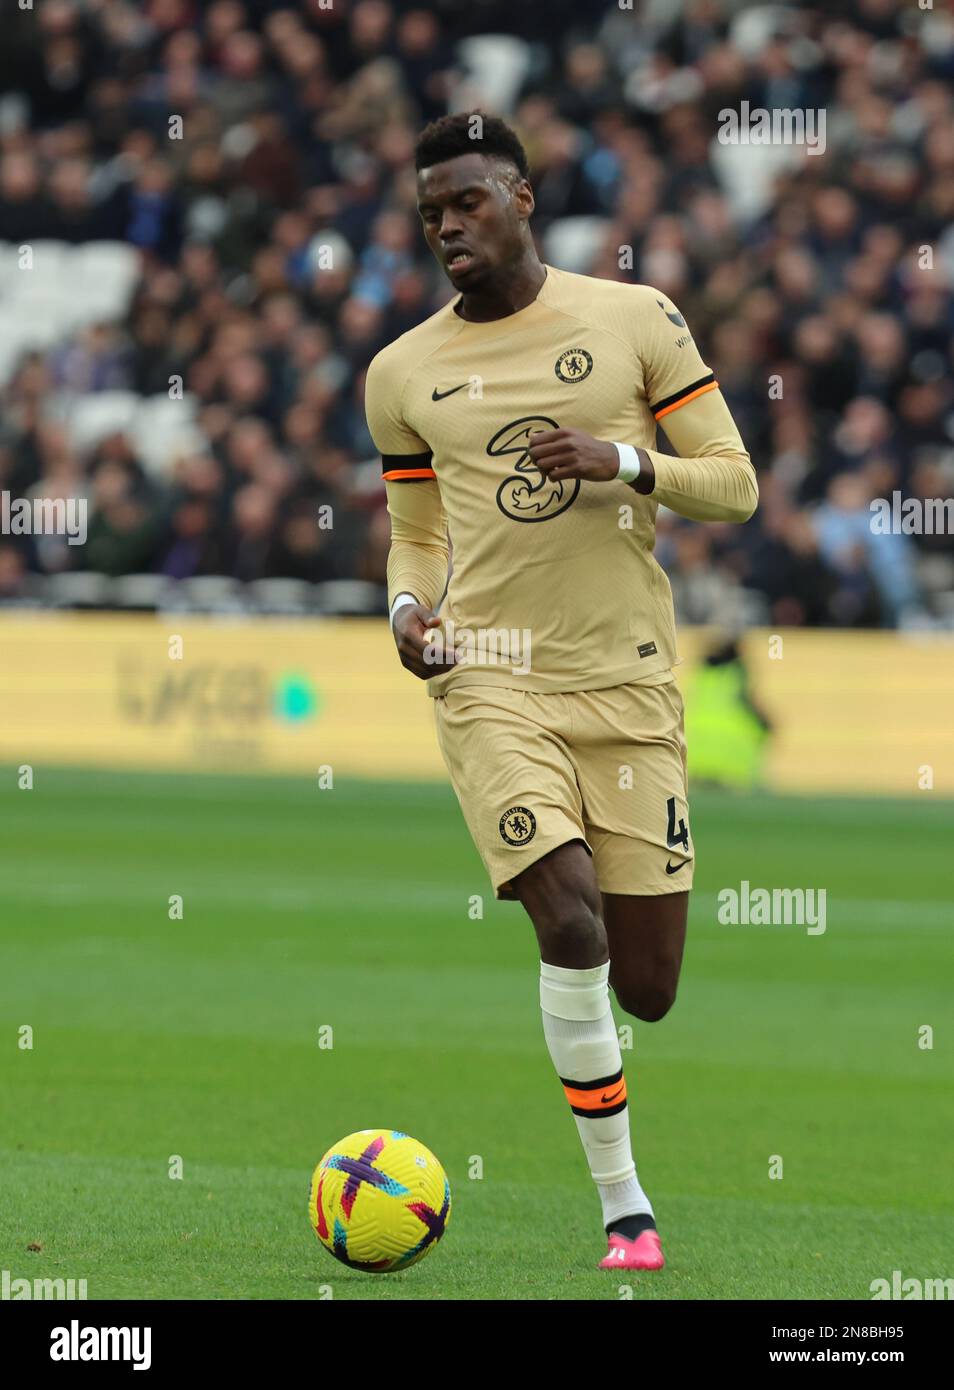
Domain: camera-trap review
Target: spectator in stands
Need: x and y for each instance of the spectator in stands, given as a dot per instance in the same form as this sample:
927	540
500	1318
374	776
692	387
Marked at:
257	155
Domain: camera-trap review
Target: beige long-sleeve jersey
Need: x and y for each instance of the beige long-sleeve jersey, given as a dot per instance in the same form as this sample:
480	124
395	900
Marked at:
451	406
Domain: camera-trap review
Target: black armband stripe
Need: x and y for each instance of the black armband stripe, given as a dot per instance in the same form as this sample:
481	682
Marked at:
695	388
407	468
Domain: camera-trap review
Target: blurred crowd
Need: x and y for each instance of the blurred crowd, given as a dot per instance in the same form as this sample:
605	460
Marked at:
280	249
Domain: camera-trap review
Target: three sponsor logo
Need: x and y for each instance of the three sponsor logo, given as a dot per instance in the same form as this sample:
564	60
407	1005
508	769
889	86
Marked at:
526	495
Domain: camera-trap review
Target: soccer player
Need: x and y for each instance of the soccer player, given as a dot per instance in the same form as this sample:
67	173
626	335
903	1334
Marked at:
520	422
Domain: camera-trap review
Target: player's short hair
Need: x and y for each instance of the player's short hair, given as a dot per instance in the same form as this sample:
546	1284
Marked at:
451	136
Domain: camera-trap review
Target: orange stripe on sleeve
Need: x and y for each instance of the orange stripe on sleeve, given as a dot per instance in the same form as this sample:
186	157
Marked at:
396	474
700	391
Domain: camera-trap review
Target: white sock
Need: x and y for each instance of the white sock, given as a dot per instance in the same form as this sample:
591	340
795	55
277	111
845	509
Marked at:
581	1036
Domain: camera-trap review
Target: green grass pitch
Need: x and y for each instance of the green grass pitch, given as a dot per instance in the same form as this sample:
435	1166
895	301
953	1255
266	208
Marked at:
350	907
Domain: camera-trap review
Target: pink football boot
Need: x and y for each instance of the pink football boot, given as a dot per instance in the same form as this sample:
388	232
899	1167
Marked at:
645	1252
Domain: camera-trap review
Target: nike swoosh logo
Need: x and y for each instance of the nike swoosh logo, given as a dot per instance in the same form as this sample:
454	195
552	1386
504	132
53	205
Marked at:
439	395
674	868
607	1100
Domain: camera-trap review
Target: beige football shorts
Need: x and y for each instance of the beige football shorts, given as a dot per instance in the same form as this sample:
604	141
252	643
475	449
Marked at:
607	767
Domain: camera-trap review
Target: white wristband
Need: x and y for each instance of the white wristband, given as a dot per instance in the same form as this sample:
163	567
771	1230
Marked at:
399	602
628	463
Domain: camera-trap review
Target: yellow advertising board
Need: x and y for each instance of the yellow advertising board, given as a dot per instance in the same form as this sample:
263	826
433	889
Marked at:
205	694
862	712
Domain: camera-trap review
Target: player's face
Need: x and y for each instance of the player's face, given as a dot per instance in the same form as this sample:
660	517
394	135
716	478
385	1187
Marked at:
473	210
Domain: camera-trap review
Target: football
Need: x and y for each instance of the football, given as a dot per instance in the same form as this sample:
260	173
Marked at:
379	1200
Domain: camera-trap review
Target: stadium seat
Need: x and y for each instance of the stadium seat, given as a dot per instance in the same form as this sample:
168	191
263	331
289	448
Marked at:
209	593
936	573
112	265
9	266
495	66
162	430
70	286
140	590
33	592
748	173
94	418
51	261
83	589
574	243
355	597
288	596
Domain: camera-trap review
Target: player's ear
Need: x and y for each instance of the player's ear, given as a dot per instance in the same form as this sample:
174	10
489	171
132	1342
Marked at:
524	198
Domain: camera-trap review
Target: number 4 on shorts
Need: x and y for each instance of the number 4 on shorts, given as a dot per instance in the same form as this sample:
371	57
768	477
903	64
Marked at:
673	836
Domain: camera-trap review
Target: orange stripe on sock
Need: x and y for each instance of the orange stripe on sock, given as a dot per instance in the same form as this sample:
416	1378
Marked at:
600	1099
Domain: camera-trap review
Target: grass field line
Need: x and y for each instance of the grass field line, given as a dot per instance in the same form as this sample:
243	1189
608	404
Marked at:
203	1173
672	1058
229	888
226	786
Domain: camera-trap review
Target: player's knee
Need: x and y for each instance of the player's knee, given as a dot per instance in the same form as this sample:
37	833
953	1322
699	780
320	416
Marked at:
657	1003
648	1002
571	929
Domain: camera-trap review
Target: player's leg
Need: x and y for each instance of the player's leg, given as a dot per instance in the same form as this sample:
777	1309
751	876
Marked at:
646	936
637	822
629	754
562	899
507	757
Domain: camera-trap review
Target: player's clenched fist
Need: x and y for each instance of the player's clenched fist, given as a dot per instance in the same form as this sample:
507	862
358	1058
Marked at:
411	622
569	453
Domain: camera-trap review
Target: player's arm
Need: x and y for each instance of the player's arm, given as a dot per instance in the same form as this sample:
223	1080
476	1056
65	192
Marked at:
711	478
417	566
417	559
